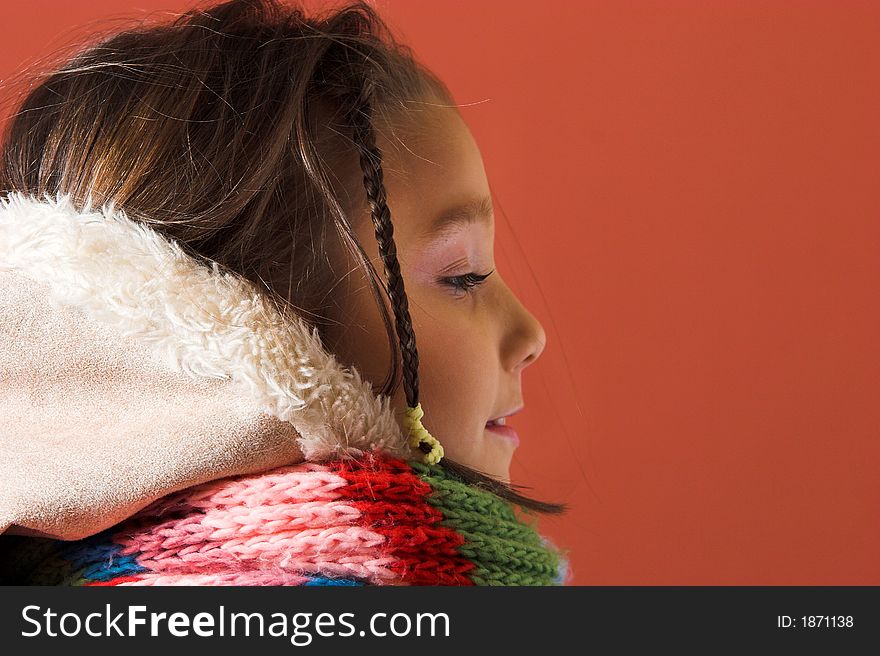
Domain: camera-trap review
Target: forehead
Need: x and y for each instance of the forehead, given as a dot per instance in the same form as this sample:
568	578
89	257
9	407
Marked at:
433	172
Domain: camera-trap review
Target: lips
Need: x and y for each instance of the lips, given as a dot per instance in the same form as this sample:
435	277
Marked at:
498	426
501	419
505	432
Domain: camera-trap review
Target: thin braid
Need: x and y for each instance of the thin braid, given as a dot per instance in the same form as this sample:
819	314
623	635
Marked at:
371	164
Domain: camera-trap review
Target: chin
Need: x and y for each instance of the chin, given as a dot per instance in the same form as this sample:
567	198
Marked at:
499	471
498	457
487	454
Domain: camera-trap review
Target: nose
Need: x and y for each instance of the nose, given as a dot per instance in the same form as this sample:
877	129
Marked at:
526	338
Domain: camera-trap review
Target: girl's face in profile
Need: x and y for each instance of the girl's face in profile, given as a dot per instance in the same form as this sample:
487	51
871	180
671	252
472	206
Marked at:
473	335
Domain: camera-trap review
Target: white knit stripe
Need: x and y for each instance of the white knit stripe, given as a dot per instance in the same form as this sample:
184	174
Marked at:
198	319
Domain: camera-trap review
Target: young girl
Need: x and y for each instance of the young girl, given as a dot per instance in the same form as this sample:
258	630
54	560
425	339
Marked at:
206	379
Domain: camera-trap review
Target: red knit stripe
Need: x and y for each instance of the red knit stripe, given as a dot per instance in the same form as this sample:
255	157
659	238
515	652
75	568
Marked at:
381	479
393	502
113	581
418	571
435	541
386	513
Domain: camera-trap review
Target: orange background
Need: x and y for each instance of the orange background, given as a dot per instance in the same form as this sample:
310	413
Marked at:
687	200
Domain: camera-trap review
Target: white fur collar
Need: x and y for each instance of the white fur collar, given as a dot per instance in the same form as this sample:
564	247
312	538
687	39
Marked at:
199	320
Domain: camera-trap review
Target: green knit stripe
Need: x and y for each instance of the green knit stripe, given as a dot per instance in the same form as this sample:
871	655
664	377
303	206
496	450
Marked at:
449	492
507	562
503	549
494	575
467	520
464	498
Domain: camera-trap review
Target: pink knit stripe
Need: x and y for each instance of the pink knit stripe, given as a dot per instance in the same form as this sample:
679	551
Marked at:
377	571
254	577
236	523
336	540
336	551
290	522
240	520
303	482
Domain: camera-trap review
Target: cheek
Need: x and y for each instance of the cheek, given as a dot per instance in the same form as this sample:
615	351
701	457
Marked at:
458	380
455	358
456	343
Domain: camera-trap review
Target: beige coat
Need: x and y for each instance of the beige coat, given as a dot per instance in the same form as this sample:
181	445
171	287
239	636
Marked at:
129	370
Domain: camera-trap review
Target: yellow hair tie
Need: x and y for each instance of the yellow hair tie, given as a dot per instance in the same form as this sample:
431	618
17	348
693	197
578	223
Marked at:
418	434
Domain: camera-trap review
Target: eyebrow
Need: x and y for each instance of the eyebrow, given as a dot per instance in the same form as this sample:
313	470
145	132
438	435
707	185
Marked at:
461	214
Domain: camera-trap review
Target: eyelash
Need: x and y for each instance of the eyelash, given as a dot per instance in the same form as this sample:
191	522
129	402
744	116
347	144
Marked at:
467	282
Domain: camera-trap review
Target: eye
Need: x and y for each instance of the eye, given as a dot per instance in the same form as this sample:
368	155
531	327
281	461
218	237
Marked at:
466	282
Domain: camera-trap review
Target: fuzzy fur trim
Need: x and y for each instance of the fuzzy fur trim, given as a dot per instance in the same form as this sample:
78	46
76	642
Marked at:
200	320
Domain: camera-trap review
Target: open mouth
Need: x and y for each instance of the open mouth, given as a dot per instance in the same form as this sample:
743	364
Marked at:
500	428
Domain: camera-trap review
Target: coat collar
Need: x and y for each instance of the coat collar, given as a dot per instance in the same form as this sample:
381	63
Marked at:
197	319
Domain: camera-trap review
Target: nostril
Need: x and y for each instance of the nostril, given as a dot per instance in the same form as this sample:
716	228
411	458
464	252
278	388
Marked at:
536	351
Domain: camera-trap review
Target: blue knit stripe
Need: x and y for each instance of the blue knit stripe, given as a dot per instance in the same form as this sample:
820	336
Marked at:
122	566
96	559
320	580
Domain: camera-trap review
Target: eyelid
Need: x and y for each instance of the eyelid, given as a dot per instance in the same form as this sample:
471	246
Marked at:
455	265
472	280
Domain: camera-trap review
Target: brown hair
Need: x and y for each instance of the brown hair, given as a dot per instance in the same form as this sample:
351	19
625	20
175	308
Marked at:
225	130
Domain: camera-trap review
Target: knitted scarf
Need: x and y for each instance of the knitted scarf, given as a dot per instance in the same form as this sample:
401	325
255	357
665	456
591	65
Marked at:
373	520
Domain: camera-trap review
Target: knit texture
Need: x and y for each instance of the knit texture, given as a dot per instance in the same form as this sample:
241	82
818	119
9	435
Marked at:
374	520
